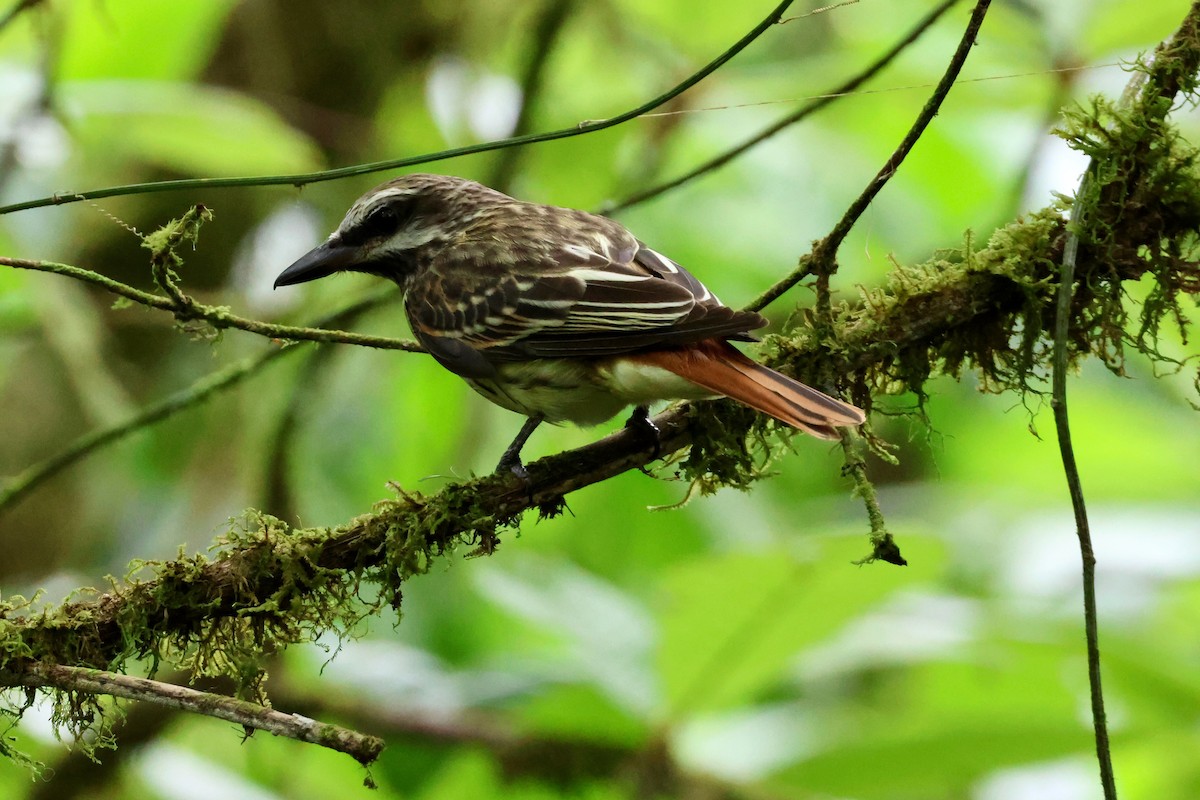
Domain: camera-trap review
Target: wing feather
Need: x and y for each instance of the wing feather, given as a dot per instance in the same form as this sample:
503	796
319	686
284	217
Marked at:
595	295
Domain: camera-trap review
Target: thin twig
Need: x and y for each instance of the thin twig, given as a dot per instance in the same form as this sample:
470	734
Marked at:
365	749
301	179
217	316
824	254
189	397
791	119
76	772
1087	554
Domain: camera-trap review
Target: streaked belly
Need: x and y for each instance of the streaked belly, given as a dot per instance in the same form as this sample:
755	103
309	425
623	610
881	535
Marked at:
586	392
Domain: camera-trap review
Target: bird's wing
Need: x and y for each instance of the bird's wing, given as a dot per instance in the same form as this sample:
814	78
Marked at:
606	297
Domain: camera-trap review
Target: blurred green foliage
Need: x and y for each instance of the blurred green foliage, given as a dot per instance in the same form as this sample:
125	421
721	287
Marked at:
724	649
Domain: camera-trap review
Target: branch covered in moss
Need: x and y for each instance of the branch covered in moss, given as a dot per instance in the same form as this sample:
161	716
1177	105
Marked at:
271	585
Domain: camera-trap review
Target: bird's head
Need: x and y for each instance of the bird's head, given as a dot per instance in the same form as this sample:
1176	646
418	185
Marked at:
386	228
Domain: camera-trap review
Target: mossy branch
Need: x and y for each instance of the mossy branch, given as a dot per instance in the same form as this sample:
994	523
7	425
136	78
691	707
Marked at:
270	585
883	546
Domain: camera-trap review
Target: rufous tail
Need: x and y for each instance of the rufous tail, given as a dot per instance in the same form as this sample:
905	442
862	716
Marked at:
719	367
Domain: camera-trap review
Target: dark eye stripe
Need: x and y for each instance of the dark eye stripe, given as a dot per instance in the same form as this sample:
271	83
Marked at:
381	222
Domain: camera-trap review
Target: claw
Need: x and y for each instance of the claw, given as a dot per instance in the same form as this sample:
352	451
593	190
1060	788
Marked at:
511	460
639	421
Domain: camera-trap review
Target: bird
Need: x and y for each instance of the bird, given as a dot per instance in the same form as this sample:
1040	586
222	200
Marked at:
554	313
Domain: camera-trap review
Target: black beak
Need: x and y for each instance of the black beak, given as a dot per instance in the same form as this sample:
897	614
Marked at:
330	257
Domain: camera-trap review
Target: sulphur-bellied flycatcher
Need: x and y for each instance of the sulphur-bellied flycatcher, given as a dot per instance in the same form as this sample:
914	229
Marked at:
554	313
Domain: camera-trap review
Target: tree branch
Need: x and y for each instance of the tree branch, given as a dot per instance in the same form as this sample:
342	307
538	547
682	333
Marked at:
365	749
883	546
267	573
935	317
272	585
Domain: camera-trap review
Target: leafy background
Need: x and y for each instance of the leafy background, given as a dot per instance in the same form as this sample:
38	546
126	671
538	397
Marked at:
726	648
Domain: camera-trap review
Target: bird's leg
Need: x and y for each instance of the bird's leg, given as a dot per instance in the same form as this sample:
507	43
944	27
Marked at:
639	422
511	460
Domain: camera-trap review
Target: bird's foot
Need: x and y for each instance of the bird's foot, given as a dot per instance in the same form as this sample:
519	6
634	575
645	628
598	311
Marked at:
640	423
512	466
511	460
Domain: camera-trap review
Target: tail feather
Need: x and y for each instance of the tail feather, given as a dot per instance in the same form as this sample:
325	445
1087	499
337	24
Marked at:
722	369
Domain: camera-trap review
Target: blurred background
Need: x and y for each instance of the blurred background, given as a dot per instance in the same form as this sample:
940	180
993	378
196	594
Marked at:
728	648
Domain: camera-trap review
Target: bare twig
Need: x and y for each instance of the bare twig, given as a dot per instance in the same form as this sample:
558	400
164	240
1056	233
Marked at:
791	119
823	260
365	749
77	774
302	179
1062	425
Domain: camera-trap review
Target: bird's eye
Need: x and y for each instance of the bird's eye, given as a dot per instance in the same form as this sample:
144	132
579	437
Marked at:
381	222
